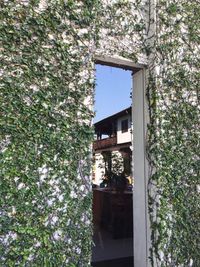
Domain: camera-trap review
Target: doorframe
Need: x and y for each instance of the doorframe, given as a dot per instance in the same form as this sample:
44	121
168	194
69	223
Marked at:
141	225
140	119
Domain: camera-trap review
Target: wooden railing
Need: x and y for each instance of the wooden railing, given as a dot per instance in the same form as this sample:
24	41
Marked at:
105	143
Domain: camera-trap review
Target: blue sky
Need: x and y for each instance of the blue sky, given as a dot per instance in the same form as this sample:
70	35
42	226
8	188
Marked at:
112	94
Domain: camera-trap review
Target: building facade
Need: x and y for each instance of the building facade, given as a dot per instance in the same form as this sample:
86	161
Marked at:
112	149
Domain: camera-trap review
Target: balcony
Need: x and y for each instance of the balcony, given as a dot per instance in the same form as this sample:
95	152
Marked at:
105	143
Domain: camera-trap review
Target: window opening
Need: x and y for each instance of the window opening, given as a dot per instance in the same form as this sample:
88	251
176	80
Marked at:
124	126
112	171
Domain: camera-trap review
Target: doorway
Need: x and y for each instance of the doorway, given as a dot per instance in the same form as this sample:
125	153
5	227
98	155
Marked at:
112	168
111	225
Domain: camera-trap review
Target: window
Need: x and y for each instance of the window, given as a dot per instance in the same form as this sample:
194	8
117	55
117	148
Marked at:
124	126
140	244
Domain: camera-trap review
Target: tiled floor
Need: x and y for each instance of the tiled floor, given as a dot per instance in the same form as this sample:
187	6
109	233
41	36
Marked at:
123	262
106	248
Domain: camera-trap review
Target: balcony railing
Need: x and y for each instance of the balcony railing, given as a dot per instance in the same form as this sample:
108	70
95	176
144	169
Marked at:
105	143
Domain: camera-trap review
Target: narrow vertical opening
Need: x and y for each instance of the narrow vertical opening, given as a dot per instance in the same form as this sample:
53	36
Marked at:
112	175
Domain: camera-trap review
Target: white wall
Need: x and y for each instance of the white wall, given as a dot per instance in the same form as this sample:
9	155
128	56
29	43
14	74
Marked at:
123	137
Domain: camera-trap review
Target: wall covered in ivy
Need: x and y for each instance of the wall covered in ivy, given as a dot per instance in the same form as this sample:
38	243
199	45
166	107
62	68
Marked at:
45	137
47	86
174	195
47	53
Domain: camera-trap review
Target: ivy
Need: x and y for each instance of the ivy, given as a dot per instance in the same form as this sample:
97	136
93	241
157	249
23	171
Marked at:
174	159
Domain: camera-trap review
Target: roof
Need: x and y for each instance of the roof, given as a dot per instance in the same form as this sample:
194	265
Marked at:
104	126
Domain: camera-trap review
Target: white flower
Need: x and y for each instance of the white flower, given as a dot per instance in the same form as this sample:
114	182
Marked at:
63	209
57	234
50	202
73	194
43	169
198	188
34	87
43	4
82	187
30	257
43	172
56	190
82	31
44	105
157	70
1	72
13	235
161	255
3	149
38	244
43	177
39	61
55	157
4	144
60	198
8	237
20	186
46	223
54	220
51	36
51	182
16	179
78	250
27	100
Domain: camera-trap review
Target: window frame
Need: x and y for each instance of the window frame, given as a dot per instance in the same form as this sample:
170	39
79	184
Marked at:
140	119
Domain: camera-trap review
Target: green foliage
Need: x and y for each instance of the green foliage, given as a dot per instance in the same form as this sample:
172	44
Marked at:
117	163
45	135
174	200
47	83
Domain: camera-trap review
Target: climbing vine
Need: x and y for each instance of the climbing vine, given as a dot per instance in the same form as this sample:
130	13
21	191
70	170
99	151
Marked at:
47	54
174	199
47	86
45	135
